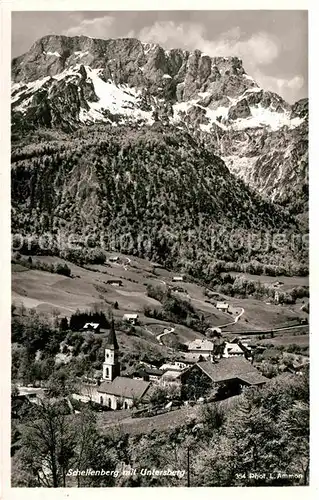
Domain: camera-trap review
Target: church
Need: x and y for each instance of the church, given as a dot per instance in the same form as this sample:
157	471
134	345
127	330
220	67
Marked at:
115	391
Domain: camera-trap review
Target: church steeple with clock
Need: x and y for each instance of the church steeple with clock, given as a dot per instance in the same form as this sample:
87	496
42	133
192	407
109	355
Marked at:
111	365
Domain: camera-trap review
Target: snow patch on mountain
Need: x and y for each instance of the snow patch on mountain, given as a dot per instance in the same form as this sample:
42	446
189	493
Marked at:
125	100
119	99
56	54
80	54
148	47
265	117
181	108
23	93
27	87
252	89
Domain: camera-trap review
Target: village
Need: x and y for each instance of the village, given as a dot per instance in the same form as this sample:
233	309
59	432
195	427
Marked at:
210	361
211	366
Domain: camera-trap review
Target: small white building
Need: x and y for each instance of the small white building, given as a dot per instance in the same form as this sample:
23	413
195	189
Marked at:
131	318
114	282
177	366
222	306
178	278
92	327
240	349
232	350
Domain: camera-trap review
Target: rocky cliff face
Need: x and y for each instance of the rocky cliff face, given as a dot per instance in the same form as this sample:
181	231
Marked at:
133	63
274	162
64	82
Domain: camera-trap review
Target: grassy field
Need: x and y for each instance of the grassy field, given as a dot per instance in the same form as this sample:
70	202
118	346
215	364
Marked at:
260	315
109	423
128	425
285	340
88	289
17	268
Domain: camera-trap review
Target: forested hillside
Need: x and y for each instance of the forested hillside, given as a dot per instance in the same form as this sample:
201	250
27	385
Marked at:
152	192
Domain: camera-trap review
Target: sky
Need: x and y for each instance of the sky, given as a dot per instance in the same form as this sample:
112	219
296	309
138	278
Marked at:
272	44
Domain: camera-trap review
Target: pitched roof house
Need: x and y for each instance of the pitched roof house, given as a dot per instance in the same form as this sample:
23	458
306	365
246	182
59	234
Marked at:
236	368
95	327
203	347
222	306
114	258
122	392
125	387
232	349
131	318
146	373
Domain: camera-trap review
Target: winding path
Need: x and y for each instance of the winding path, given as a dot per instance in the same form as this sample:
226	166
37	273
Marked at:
235	320
171	330
165	332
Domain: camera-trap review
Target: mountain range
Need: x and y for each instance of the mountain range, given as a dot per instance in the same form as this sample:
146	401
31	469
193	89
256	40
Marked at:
73	87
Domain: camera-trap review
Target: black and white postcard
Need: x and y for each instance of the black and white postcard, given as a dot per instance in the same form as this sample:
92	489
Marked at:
159	247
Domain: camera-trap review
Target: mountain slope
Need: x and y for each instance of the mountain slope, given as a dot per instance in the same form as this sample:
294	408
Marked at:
64	82
126	138
272	162
132	79
152	192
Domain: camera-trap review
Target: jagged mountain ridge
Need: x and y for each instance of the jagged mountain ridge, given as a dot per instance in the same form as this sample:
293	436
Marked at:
64	82
135	78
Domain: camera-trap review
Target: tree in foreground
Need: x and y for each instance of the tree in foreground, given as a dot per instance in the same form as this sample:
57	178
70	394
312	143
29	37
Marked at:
56	442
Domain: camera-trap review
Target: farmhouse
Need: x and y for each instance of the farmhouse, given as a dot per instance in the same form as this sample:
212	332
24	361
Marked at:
177	366
131	318
229	369
114	282
232	349
222	306
148	374
92	327
230	375
204	347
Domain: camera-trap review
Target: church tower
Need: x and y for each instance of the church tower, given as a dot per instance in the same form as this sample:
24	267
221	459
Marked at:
111	365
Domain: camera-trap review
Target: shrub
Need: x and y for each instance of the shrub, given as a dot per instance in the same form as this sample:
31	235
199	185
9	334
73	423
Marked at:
63	269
